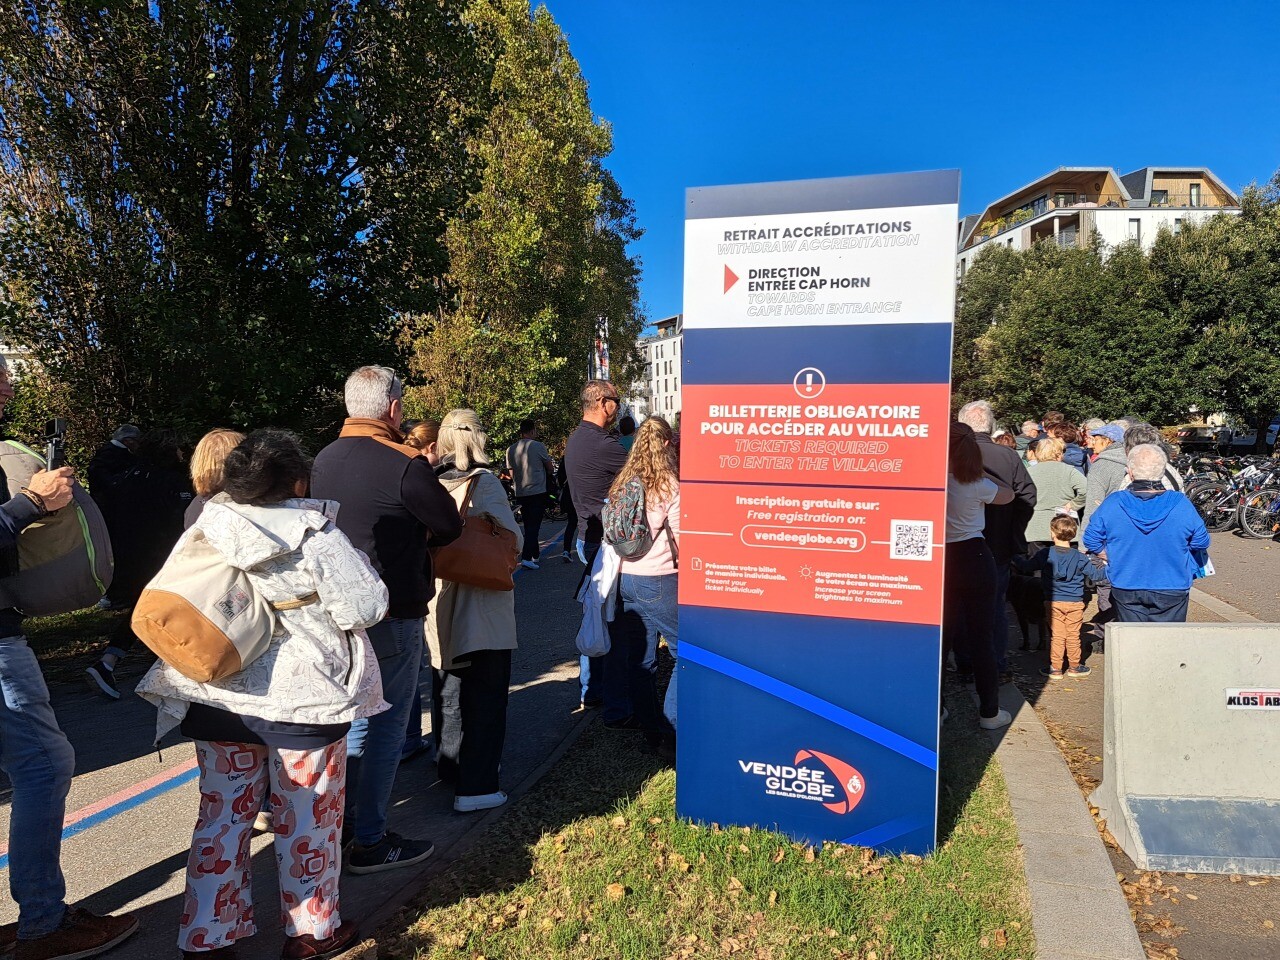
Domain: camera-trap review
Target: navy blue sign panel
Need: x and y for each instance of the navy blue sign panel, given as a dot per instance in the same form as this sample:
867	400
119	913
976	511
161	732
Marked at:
815	402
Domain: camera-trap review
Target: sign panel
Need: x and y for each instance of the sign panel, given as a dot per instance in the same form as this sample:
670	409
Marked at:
1238	698
816	391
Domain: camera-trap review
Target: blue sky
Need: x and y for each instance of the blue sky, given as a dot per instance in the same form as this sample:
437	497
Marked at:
706	92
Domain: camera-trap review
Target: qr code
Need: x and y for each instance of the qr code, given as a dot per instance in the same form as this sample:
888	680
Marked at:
911	540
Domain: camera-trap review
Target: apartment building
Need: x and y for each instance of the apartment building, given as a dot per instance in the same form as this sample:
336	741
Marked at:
1073	204
659	390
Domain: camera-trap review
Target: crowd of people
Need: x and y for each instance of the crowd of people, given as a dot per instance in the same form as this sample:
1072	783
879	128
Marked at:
1026	504
350	551
306	738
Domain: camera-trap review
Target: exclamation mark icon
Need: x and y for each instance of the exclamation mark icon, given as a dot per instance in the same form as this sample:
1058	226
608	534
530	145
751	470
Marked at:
808	383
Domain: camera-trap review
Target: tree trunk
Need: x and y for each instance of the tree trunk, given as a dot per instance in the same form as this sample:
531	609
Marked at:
1262	423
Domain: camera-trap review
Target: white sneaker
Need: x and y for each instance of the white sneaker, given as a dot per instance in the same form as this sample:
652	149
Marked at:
1001	719
529	564
484	801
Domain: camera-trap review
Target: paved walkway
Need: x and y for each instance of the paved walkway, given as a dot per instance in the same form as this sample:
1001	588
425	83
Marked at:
130	812
1201	916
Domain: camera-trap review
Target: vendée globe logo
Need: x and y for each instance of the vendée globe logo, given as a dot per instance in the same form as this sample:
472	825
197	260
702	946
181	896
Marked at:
815	776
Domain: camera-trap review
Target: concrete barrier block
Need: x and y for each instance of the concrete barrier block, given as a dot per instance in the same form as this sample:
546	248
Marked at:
1191	724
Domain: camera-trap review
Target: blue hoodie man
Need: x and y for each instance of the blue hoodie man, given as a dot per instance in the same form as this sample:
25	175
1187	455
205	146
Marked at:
1154	542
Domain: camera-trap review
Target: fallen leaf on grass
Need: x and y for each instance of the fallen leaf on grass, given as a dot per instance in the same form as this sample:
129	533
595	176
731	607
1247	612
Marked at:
777	857
1268	924
618	822
809	855
773	898
1000	938
615	891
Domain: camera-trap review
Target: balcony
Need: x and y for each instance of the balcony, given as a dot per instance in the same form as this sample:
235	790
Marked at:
1066	210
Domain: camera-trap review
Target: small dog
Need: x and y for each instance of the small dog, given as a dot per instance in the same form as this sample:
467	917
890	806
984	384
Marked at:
1027	597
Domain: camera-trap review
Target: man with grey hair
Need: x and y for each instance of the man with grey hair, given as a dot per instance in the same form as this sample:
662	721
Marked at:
1029	434
393	508
1154	542
1006	524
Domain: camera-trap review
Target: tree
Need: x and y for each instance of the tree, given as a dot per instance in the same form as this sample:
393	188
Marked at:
1075	330
538	253
210	213
1221	278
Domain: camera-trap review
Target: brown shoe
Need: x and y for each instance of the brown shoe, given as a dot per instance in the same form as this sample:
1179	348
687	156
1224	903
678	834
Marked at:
82	934
307	947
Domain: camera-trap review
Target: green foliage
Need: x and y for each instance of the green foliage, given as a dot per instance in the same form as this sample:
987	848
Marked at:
1222	279
538	251
1103	332
210	213
204	208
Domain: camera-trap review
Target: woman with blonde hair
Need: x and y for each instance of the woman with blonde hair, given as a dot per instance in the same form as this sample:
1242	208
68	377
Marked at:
208	464
471	632
647	604
1060	488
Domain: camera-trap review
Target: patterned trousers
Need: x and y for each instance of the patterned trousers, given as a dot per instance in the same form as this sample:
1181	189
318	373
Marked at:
306	790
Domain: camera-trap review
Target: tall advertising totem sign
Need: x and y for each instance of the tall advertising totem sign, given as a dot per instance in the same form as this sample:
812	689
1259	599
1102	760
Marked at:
813	464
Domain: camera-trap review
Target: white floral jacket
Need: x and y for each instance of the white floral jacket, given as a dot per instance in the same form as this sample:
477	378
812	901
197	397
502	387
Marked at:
319	668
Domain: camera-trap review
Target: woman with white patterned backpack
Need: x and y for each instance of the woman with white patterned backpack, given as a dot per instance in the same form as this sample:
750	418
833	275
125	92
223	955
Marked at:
647	606
276	730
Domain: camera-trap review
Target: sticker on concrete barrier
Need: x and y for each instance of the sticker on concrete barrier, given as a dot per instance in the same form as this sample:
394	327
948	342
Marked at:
1244	699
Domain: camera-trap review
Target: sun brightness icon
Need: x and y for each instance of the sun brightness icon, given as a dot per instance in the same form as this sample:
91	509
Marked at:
807	572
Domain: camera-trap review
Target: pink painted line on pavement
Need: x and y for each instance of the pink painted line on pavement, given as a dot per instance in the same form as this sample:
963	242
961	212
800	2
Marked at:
121	796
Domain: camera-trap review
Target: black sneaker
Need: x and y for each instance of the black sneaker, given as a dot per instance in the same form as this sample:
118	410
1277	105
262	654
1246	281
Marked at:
102	679
626	723
390	853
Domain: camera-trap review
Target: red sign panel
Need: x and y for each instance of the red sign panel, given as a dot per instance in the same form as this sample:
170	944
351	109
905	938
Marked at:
866	554
811	432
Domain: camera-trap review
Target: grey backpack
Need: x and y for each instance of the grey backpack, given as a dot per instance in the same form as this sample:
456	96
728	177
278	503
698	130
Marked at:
64	560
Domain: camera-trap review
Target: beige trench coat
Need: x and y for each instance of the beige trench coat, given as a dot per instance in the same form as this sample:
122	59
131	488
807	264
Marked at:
464	618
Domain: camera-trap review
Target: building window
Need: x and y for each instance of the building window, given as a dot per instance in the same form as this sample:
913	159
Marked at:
1135	230
1177	224
1010	243
1195	195
1064	198
1159	198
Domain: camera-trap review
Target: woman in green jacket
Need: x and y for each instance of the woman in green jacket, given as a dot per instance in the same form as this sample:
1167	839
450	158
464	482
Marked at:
1059	487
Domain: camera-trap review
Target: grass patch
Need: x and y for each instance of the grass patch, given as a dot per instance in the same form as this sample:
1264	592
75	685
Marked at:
593	863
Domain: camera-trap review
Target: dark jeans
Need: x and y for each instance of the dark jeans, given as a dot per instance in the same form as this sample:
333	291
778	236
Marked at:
374	745
1000	617
469	721
1150	606
646	605
967	612
570	523
531	510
